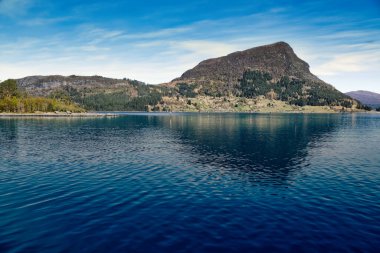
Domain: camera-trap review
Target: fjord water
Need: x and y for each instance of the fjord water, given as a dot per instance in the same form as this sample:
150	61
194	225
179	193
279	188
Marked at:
191	183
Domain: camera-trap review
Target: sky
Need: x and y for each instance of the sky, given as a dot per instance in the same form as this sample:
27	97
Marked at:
156	41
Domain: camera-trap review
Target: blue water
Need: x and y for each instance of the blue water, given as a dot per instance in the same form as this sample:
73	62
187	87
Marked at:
191	183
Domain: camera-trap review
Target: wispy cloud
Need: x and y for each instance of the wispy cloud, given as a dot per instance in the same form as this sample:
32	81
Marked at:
352	34
14	7
349	63
205	48
334	45
44	21
94	35
158	34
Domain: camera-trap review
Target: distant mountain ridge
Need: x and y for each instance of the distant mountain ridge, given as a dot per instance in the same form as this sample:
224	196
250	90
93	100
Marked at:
45	85
93	92
366	97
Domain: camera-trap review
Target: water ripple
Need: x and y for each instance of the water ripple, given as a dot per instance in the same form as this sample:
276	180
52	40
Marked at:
191	183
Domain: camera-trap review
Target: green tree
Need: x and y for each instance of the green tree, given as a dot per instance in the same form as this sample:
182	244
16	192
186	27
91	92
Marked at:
187	90
9	89
255	83
364	107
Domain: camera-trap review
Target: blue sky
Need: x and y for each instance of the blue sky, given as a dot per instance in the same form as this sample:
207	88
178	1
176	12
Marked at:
156	41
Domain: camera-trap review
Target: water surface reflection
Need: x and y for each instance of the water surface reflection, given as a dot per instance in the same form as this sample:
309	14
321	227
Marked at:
190	183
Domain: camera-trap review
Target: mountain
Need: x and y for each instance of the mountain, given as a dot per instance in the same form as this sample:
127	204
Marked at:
278	59
46	85
272	70
93	92
366	97
265	78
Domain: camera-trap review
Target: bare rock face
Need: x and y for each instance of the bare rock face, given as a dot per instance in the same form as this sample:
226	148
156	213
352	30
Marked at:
277	59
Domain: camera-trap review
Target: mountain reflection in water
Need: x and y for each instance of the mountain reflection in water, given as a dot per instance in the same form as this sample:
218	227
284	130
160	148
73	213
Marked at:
189	182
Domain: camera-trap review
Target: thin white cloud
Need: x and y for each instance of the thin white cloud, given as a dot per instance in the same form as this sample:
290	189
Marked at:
205	48
90	34
349	63
44	21
278	10
157	34
349	35
92	48
14	7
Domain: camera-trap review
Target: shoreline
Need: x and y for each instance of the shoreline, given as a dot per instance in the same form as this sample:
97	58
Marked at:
57	115
241	112
122	113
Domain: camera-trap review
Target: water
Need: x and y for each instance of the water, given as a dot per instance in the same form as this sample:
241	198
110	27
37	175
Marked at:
191	183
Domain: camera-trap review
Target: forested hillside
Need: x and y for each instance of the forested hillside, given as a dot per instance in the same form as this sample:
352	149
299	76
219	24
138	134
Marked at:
96	93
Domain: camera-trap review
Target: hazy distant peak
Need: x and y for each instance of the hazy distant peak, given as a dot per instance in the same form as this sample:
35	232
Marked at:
366	97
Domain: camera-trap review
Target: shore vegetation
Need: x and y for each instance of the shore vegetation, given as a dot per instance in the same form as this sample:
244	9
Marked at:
14	100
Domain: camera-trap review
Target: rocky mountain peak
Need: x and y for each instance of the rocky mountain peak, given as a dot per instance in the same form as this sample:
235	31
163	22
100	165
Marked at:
278	59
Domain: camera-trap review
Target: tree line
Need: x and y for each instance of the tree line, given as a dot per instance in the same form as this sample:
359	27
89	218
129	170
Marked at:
108	100
293	91
14	100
